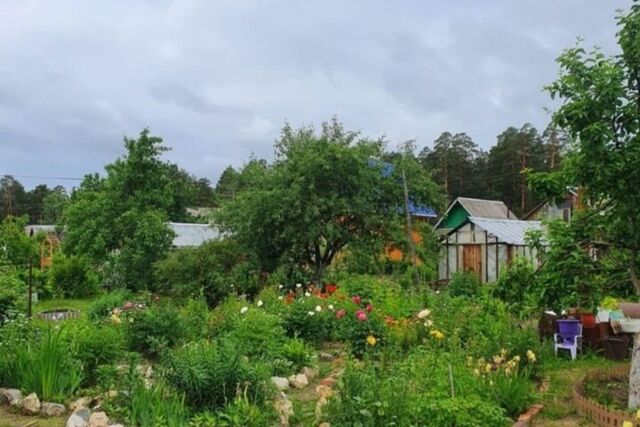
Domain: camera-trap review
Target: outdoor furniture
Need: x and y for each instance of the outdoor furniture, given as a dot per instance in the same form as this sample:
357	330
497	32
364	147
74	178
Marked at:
569	337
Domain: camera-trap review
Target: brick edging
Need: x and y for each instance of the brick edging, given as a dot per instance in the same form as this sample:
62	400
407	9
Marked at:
524	420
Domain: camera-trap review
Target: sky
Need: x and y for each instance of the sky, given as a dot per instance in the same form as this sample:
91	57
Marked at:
218	79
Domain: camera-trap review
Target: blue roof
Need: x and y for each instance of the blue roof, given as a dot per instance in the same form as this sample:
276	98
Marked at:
419	211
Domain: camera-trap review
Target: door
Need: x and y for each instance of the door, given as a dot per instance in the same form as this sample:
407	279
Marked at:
472	259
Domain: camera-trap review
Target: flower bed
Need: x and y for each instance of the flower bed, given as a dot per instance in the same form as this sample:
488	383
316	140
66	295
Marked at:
597	412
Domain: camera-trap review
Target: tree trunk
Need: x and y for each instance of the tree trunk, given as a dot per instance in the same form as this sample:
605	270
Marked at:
411	243
634	373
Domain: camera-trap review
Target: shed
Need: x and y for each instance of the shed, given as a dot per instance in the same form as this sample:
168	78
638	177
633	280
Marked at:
464	207
191	235
484	246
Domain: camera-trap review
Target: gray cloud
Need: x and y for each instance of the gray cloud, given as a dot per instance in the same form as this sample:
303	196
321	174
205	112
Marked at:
218	79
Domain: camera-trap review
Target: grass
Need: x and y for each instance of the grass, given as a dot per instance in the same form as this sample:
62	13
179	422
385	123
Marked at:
62	304
563	374
11	419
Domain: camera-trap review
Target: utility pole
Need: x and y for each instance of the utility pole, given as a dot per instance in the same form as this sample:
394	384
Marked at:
412	246
30	302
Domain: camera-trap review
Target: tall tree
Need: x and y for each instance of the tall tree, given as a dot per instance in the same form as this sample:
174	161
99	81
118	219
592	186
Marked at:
323	192
35	203
121	218
516	151
451	163
13	197
53	205
600	112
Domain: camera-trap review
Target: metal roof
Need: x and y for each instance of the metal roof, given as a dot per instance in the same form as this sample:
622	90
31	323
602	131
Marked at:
48	229
192	234
510	231
480	208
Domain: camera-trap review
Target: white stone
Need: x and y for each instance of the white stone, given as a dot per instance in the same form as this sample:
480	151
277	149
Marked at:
282	384
284	408
298	381
53	409
79	418
13	396
326	357
31	404
98	419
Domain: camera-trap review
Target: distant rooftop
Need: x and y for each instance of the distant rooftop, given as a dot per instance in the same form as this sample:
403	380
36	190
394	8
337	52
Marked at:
510	231
190	235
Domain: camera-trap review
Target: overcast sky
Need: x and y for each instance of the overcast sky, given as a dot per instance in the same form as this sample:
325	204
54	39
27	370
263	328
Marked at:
217	79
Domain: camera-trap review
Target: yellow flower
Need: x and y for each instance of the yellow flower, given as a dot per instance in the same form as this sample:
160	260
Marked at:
487	367
504	352
627	424
469	361
516	359
638	415
436	334
507	371
497	360
531	356
115	319
371	340
476	372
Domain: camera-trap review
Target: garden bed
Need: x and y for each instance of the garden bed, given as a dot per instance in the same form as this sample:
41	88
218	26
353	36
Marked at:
602	397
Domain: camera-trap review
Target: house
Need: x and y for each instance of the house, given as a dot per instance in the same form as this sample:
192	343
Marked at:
192	235
484	246
465	207
561	209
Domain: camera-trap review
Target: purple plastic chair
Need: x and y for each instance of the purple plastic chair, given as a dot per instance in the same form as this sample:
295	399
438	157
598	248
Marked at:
569	337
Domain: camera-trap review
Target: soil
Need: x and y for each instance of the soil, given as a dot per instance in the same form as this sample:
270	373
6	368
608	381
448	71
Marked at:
11	419
610	392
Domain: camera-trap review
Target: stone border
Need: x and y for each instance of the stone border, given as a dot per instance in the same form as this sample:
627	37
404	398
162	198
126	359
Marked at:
526	419
596	412
57	315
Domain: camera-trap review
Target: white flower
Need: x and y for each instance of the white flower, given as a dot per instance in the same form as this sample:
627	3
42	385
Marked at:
243	310
330	307
318	308
298	285
280	286
280	297
428	323
424	313
307	294
260	303
310	313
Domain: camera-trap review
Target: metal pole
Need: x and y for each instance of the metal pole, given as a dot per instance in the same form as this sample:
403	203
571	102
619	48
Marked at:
412	247
29	308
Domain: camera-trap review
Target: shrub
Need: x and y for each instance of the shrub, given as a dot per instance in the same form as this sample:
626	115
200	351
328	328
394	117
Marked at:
101	307
12	292
516	285
303	320
157	406
258	334
155	329
211	374
72	277
297	353
95	346
464	284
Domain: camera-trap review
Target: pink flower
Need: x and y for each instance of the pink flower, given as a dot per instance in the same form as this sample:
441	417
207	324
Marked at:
369	308
340	313
356	300
361	315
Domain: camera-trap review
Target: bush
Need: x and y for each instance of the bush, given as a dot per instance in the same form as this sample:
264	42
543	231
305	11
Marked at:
155	329
13	293
212	374
101	307
96	346
301	319
258	334
72	277
157	406
515	286
464	284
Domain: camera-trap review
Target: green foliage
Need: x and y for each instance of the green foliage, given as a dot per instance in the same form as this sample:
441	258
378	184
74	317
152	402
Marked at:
102	306
464	284
297	353
96	345
73	277
239	413
210	374
12	291
207	270
157	406
302	320
153	330
321	193
121	218
514	392
516	286
408	391
44	365
16	247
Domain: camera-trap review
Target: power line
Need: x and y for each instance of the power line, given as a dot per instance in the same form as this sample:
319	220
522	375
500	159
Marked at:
62	178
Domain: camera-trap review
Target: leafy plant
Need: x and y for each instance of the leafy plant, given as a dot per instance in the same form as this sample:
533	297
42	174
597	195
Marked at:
464	284
72	277
101	307
155	329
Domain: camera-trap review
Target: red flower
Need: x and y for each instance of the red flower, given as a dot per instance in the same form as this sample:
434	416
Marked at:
340	313
361	315
356	300
369	308
331	288
290	297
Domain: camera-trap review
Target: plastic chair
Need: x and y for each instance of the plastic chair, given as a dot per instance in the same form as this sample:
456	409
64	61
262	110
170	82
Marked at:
569	337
